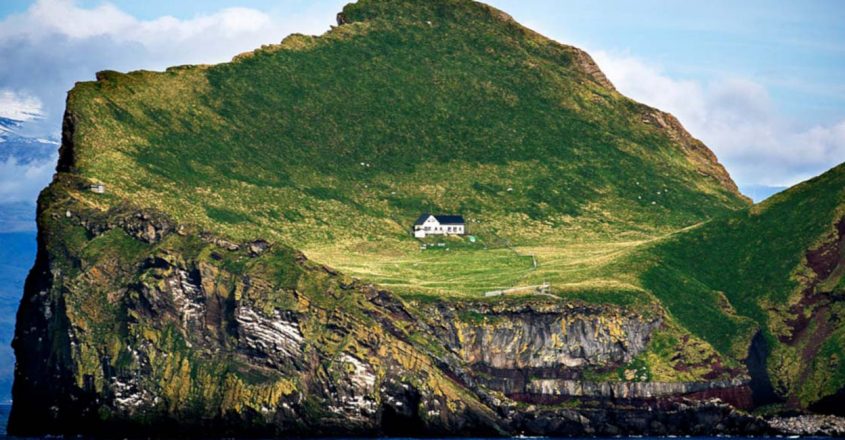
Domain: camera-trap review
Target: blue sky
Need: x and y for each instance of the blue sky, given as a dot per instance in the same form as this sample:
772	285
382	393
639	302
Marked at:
758	81
795	49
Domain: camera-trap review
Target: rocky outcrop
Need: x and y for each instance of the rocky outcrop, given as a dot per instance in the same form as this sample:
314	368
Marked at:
687	417
702	157
586	63
551	335
624	390
809	425
547	352
277	339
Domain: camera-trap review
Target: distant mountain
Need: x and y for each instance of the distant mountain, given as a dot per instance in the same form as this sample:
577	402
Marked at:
20	154
22	148
7	125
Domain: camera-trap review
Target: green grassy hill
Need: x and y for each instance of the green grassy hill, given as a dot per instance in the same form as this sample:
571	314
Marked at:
335	144
777	266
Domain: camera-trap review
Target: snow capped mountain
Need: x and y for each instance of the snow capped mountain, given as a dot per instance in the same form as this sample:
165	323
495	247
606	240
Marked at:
23	149
7	127
26	165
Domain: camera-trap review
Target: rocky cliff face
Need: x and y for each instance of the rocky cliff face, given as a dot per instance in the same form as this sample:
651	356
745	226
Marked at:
552	352
551	336
168	337
131	320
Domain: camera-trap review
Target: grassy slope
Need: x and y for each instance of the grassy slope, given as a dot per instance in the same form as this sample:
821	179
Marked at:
335	145
724	278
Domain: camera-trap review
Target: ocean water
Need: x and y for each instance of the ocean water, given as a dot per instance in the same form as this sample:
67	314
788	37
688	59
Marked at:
4	417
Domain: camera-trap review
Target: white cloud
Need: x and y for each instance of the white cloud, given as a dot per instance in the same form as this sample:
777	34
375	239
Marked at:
49	18
19	106
65	18
21	182
55	43
736	118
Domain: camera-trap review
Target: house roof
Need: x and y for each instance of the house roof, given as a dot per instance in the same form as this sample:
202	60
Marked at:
422	219
450	219
442	219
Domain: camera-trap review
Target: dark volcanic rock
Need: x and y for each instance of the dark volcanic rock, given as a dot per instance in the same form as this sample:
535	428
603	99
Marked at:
809	425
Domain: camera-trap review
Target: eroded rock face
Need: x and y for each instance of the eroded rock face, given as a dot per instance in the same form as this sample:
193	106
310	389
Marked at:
187	296
624	390
356	390
688	417
585	61
809	425
276	338
555	337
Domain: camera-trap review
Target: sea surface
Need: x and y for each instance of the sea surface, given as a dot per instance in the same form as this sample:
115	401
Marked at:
4	417
17	253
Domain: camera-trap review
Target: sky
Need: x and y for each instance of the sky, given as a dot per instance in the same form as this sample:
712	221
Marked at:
760	82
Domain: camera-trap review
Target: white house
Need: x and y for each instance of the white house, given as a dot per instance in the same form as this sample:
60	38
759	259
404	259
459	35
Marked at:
429	224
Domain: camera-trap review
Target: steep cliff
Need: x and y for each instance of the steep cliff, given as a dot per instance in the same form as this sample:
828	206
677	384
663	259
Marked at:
131	322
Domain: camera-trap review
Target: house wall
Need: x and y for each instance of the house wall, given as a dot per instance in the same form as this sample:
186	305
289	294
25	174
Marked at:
435	228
